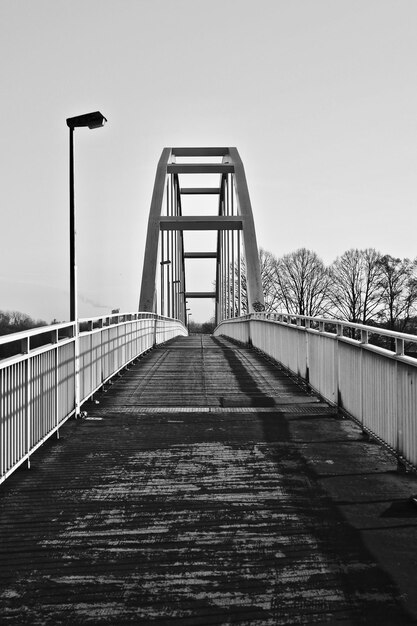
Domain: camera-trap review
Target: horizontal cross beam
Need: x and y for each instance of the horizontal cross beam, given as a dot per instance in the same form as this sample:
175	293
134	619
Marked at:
200	255
200	294
200	168
197	152
187	191
200	222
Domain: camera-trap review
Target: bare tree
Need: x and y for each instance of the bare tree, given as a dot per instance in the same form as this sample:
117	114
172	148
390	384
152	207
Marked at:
267	262
361	286
355	291
398	284
15	321
302	283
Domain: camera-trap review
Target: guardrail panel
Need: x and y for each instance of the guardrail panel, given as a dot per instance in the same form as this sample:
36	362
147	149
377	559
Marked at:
407	411
375	386
37	387
321	362
13	414
86	357
350	378
66	381
105	354
42	396
379	381
96	356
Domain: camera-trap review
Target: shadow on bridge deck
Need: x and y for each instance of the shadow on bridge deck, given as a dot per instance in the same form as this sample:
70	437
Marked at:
208	487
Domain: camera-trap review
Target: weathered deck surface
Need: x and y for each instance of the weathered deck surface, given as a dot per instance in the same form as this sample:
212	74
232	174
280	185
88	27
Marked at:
208	488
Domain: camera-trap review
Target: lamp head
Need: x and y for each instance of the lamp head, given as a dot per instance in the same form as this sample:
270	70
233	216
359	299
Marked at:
92	120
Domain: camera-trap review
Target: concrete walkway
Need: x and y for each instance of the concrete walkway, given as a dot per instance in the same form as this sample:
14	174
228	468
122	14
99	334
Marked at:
208	487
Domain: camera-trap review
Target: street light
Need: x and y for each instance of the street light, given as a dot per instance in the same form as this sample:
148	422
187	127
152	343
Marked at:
91	120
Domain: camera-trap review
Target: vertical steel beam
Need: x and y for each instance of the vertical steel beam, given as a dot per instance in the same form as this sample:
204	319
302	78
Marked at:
146	301
239	276
226	196
162	276
253	271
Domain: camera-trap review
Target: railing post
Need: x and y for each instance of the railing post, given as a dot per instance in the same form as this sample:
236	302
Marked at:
28	403
25	349
339	333
399	346
362	382
77	369
307	346
364	340
56	383
25	345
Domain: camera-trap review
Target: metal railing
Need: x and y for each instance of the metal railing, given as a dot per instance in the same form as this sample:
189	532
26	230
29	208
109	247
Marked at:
363	370
48	372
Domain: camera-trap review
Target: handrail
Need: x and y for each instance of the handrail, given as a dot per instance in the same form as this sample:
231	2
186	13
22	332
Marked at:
41	386
344	324
374	385
32	332
115	318
286	318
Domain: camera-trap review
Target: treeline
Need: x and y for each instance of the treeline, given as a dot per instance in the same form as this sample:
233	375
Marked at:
206	328
361	286
15	321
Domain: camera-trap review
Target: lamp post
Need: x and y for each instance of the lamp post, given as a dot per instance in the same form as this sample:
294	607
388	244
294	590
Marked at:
91	120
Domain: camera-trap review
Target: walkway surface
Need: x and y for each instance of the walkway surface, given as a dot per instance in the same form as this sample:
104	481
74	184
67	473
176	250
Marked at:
208	487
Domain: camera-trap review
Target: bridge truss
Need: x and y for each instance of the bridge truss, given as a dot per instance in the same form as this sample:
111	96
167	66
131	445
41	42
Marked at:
237	281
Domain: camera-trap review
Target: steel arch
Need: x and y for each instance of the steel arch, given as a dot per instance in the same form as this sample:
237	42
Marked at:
234	224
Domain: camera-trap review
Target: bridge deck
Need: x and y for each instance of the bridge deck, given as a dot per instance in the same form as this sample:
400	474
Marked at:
207	487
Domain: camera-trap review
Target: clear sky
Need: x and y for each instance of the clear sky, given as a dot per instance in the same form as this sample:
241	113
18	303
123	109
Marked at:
319	97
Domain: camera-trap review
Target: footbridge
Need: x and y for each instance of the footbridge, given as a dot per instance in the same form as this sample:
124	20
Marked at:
260	475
